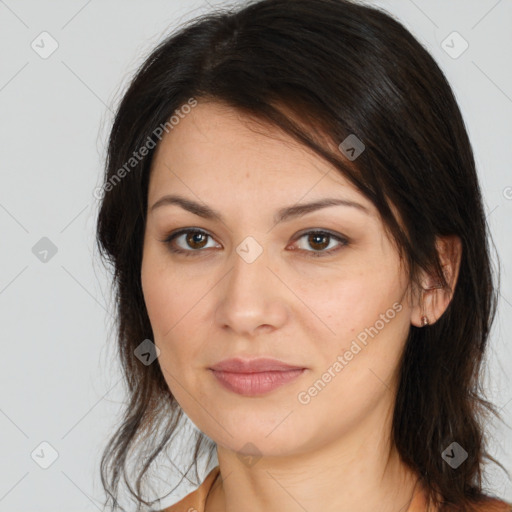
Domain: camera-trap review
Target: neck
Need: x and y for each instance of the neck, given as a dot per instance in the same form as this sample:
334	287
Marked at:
357	472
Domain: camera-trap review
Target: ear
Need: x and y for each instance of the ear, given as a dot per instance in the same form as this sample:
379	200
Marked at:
433	299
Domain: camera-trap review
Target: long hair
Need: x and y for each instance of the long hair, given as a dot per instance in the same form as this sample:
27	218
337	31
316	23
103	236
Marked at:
321	70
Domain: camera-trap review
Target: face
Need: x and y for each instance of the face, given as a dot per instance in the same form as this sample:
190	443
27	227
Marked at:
321	290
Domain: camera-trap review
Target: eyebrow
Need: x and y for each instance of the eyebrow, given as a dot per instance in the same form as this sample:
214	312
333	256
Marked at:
282	215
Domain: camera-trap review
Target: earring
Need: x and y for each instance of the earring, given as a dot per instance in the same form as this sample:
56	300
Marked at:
424	318
435	286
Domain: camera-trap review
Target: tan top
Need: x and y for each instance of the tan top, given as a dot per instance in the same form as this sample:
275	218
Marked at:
195	501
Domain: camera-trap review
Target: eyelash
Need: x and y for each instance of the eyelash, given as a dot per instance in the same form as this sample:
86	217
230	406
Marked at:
315	254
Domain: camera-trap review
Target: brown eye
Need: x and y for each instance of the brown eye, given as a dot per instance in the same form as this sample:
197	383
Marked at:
192	241
196	239
319	241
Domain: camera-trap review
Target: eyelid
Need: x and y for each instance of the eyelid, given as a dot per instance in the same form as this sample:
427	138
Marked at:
343	240
168	239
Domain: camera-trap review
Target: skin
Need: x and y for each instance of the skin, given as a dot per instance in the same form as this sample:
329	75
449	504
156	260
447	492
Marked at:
287	304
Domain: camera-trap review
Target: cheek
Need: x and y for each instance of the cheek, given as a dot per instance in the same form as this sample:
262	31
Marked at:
354	377
158	300
359	318
167	311
365	303
175	302
167	293
341	305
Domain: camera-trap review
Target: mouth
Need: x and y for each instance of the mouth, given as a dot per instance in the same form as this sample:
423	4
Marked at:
261	364
256	376
256	383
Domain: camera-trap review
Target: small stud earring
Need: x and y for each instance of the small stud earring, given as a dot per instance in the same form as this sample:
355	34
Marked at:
424	318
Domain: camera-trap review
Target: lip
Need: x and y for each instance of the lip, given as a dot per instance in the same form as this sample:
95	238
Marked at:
256	376
263	364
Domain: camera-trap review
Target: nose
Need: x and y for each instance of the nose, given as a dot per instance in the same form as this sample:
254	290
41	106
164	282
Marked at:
252	298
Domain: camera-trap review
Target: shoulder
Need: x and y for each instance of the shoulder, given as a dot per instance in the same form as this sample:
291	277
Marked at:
194	502
485	504
494	505
490	504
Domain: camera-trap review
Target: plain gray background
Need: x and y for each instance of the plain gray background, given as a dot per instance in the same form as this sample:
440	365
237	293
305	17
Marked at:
60	380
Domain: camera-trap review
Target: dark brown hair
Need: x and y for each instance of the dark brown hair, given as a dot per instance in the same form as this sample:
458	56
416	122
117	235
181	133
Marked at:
336	68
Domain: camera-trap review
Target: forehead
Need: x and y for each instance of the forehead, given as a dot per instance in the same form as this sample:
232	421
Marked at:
215	146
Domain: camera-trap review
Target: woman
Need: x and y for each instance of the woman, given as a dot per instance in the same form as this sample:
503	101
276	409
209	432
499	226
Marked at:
292	212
